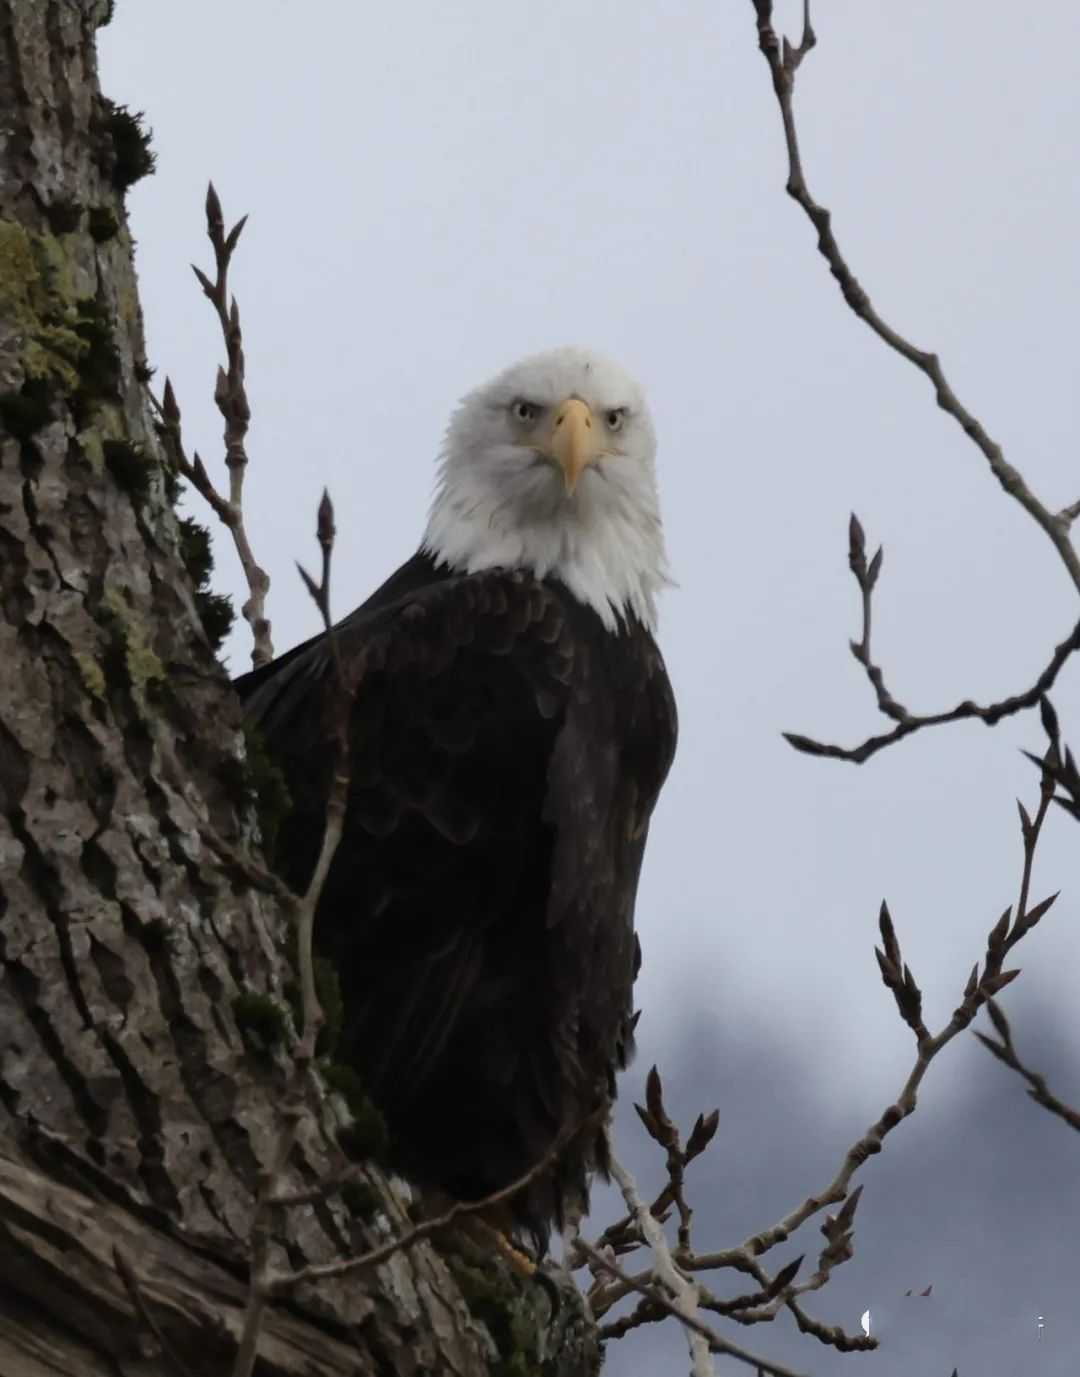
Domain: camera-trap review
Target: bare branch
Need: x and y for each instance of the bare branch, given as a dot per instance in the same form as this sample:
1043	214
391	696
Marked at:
294	1104
286	1281
1068	514
681	1293
625	1235
244	868
656	1304
978	991
1031	830
655	1118
1054	770
783	63
867	576
258	1289
782	1291
1006	1052
908	724
126	1272
231	399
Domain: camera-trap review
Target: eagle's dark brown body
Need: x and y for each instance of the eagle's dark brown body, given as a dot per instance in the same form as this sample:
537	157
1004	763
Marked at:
507	752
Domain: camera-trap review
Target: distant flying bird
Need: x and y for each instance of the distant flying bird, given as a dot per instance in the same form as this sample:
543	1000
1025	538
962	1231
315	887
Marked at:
512	726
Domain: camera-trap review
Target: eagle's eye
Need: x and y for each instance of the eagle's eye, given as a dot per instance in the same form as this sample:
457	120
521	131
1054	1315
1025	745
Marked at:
525	411
614	418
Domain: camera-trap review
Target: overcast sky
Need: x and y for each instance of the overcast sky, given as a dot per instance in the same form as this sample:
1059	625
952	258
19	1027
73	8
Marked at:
437	190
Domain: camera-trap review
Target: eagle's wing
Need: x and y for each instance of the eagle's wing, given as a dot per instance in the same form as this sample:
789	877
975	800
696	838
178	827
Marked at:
435	908
506	752
608	764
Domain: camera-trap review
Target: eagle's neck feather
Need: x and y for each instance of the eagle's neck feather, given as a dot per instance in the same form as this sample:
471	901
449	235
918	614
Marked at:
606	547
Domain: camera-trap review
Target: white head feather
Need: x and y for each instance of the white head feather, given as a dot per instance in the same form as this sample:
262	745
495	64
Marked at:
501	500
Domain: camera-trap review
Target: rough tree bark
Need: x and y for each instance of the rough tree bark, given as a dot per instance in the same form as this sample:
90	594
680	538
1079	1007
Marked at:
134	1115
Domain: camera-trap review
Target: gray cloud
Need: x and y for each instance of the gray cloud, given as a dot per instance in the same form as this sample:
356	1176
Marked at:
976	1195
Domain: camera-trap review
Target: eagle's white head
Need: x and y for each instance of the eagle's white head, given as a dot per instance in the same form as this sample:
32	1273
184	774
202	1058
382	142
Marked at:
551	467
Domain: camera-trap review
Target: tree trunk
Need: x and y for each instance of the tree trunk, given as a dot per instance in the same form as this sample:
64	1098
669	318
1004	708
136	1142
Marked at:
135	1113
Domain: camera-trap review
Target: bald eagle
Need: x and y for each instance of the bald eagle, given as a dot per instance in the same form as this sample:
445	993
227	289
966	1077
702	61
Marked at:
512	727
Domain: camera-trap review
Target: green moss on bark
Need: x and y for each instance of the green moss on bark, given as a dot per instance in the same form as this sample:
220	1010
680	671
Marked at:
513	1315
272	799
98	362
217	616
28	410
64	216
261	1020
129	664
130	465
362	1200
215	609
38	304
365	1138
124	152
103	224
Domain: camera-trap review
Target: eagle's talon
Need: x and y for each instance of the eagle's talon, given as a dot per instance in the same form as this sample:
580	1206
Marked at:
550	1287
517	1260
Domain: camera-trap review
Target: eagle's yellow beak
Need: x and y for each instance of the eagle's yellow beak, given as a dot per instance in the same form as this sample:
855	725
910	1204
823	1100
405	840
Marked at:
576	440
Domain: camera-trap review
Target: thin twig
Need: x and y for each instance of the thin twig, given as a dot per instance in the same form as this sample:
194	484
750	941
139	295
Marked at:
1002	938
990	714
125	1270
244	867
871	1142
866	575
344	1173
782	1291
663	1130
1057	767
1054	770
681	1293
645	1312
659	1304
625	1235
294	1102
783	62
1068	514
1031	828
337	798
1006	1052
258	1291
315	1272
230	396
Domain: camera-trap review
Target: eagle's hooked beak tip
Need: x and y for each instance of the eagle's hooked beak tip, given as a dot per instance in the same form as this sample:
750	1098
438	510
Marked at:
575	441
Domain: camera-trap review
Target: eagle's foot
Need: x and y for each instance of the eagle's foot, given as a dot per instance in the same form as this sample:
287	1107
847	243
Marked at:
485	1232
518	1261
